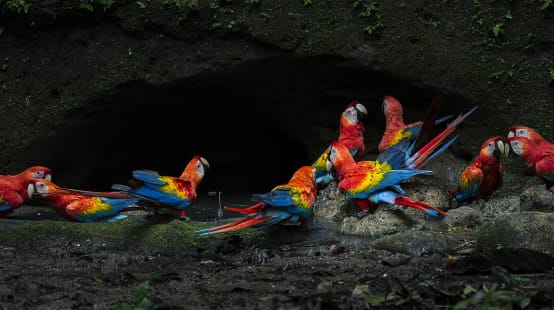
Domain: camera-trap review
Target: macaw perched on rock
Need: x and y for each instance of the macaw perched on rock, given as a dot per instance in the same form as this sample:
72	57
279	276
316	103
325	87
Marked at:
81	206
484	174
168	194
13	188
288	204
351	134
368	182
531	134
402	139
536	156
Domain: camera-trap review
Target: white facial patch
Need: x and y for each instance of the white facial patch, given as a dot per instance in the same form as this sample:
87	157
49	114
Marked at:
517	148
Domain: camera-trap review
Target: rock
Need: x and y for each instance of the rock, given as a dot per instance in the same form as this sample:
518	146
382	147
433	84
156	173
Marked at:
331	203
376	224
413	242
537	198
532	230
500	205
464	216
324	287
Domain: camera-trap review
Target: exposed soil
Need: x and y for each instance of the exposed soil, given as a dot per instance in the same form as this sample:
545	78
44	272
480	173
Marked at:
279	268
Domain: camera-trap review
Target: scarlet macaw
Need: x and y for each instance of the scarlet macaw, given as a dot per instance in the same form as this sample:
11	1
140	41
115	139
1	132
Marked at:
81	206
351	134
13	188
288	204
484	174
167	192
373	181
536	156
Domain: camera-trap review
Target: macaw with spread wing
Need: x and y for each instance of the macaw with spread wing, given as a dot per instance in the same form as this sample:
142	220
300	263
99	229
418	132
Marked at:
168	194
402	139
13	188
81	206
351	134
368	182
537	157
483	175
288	204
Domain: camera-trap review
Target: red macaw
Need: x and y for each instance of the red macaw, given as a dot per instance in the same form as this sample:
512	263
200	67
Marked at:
373	181
402	139
13	188
484	174
537	157
531	134
167	192
288	204
81	206
351	134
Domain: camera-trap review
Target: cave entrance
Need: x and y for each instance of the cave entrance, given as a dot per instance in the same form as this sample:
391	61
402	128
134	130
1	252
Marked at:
255	123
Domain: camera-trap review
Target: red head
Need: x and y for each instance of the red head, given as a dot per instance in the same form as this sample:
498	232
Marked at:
493	147
42	188
304	176
391	106
522	146
195	170
526	132
35	172
354	112
339	157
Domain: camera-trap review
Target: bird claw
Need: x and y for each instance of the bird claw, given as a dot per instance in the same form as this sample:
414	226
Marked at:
186	219
362	214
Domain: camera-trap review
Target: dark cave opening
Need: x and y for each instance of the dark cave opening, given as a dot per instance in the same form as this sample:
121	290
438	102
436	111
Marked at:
255	123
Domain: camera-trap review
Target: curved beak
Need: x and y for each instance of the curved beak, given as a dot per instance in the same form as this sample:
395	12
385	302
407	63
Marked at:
362	111
511	133
205	162
328	164
503	147
30	190
48	177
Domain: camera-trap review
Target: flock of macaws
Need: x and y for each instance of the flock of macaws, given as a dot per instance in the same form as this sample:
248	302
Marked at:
404	151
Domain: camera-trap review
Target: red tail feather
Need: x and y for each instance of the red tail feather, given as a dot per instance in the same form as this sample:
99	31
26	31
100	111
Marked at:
252	209
407	202
365	205
244	223
430	147
431	116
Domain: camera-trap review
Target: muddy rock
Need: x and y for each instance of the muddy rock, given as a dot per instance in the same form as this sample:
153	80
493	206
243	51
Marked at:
528	229
413	242
500	205
537	198
377	224
331	203
464	216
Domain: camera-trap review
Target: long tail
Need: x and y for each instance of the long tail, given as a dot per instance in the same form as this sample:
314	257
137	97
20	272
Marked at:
408	202
255	208
431	116
420	158
246	222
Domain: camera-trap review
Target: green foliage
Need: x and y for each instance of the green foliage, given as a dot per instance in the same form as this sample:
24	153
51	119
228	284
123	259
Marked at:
371	11
89	4
546	4
372	300
140	299
551	73
498	29
18	5
307	2
182	3
491	298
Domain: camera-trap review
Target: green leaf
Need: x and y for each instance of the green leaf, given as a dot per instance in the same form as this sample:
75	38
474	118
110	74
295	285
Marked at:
469	289
372	300
140	292
524	302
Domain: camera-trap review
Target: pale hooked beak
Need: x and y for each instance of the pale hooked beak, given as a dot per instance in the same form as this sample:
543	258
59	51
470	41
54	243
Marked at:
30	190
205	162
328	164
504	148
511	134
48	177
361	108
